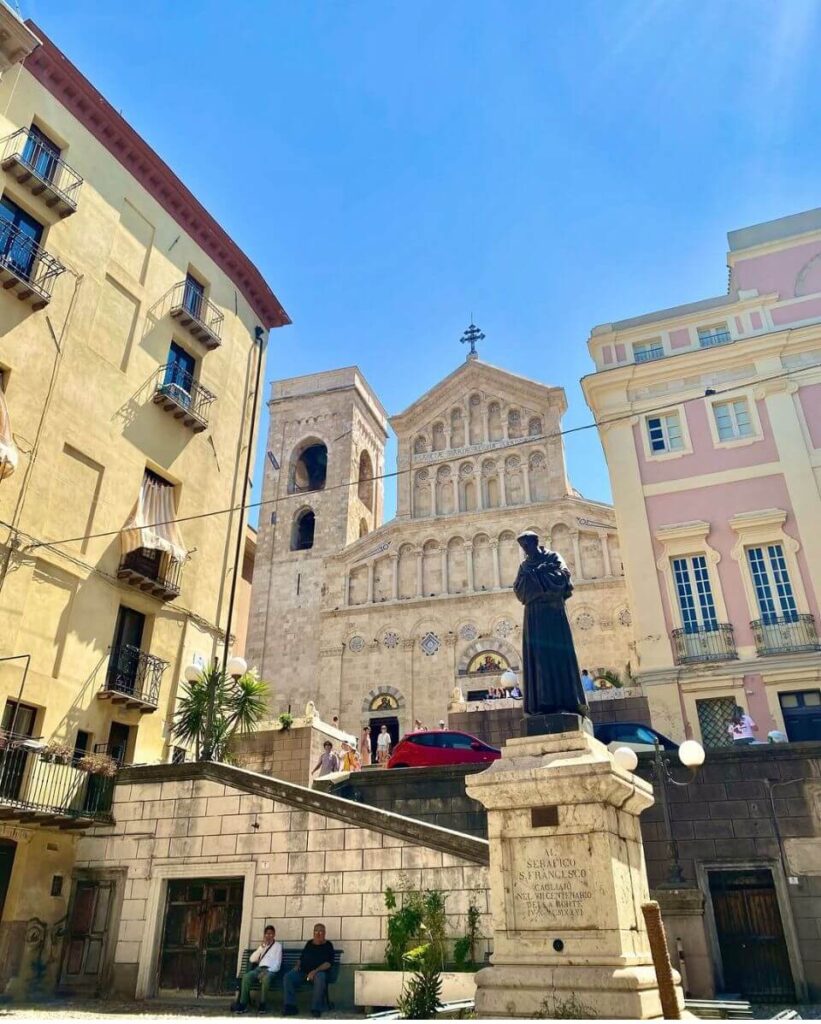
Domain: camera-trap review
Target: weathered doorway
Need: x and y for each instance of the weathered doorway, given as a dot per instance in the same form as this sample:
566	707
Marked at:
376	724
8	848
751	939
200	942
88	928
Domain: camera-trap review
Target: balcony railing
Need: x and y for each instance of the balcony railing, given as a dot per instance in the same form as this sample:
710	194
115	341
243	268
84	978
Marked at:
35	789
25	267
42	170
716	643
648	355
153	571
133	678
197	314
785	634
184	398
714	338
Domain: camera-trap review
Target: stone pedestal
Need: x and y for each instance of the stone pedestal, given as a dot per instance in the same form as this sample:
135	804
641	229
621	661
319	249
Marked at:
567	881
683	913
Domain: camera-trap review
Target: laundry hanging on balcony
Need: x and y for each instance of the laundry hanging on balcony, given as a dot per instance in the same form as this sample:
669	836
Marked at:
150	525
9	456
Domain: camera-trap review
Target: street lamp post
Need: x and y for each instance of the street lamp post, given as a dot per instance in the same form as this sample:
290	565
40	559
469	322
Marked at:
691	755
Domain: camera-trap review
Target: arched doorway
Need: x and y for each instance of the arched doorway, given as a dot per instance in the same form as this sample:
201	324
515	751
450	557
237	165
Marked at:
383	706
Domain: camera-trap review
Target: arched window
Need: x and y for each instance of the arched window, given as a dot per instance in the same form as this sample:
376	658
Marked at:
309	468
363	528
365	488
302	533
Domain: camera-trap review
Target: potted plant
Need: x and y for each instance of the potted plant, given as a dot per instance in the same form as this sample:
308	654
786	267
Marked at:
286	720
414	971
56	753
98	764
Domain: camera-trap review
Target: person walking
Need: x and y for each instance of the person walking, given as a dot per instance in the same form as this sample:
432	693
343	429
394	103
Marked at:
350	758
365	749
328	762
265	961
383	746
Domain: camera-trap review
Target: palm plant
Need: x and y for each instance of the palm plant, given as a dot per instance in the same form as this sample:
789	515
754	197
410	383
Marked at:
239	706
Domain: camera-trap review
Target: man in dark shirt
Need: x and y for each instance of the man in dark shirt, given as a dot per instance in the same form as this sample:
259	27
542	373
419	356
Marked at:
315	960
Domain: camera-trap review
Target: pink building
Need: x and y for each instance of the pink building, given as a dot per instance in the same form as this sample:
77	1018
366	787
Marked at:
710	417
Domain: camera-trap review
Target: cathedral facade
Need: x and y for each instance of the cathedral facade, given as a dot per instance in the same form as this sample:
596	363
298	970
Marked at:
378	621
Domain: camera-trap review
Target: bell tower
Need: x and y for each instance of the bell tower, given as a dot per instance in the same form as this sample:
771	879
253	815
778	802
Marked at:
322	491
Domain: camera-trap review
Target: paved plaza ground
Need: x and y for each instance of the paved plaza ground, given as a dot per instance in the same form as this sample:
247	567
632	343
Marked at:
110	1009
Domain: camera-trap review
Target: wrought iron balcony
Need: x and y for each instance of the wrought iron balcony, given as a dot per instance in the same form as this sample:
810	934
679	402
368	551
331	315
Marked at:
197	314
38	789
785	634
25	267
184	398
152	571
42	170
133	678
693	645
714	338
649	355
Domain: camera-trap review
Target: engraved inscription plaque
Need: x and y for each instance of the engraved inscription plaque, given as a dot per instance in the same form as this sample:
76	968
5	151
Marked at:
552	883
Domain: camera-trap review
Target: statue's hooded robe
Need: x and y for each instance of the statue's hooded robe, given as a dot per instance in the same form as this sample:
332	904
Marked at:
552	680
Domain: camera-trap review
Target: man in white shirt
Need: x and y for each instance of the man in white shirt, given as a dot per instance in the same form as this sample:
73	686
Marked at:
265	961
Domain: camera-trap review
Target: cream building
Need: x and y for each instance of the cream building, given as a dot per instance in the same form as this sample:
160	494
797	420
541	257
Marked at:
130	331
382	621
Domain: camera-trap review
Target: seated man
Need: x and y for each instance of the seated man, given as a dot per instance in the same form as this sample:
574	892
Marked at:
265	961
315	960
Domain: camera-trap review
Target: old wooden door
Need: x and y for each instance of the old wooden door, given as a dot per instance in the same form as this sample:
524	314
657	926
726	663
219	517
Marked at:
200	942
751	936
88	924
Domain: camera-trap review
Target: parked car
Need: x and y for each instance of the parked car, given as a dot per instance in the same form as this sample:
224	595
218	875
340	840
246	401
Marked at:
631	734
440	747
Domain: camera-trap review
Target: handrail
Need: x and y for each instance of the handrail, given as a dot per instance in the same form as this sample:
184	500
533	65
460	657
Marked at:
28	261
182	388
692	644
34	783
44	162
785	634
154	565
188	300
134	673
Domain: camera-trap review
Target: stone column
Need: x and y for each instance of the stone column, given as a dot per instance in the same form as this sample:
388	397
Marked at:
497	569
346	584
567	882
444	570
682	911
605	551
395	576
502	487
455	491
480	494
485	422
370	583
577	554
419	572
469	561
526	477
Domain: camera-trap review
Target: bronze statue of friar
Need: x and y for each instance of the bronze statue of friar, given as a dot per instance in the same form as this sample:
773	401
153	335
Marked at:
552	681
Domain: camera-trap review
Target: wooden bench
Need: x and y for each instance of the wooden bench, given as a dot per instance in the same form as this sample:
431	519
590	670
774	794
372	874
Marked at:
289	961
720	1009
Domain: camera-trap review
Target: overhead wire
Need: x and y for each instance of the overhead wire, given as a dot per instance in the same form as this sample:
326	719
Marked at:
511	443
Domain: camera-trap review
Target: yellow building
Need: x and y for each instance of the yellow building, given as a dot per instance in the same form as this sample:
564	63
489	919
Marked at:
131	329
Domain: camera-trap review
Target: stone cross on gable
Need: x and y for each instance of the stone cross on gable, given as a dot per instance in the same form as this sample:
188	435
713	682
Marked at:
470	337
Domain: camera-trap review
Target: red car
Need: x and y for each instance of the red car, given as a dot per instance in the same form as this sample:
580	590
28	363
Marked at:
440	746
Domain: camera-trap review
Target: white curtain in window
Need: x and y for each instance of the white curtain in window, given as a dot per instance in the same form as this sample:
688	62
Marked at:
9	456
150	525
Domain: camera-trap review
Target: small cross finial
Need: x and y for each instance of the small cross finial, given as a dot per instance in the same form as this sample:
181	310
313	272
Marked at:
470	337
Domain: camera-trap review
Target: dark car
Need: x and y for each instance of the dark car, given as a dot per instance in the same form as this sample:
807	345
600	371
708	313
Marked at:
631	734
440	747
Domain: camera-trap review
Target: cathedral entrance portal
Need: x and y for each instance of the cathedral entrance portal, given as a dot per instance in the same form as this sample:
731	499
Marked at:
383	706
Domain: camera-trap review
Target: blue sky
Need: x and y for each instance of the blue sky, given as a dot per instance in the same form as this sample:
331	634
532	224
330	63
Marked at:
548	166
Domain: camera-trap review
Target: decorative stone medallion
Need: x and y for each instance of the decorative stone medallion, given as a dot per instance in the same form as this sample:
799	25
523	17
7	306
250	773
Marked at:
585	620
430	643
356	644
503	629
625	618
391	639
468	631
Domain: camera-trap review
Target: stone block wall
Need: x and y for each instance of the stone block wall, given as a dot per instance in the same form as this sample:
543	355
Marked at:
304	857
